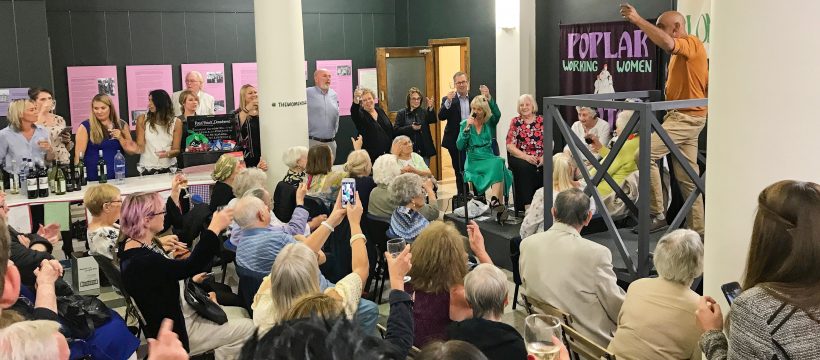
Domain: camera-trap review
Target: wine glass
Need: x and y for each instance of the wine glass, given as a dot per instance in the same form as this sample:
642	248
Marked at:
541	336
395	247
140	169
184	181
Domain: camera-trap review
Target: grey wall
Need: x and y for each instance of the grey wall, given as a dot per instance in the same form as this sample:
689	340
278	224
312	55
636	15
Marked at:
550	14
24	43
420	20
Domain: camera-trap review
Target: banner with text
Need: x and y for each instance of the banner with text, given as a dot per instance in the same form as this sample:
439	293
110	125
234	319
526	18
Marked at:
243	73
698	14
604	58
214	75
139	81
85	82
341	72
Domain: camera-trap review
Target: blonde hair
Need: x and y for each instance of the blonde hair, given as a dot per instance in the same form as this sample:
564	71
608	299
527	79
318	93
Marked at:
439	258
562	172
295	273
96	133
183	97
242	92
320	305
368	91
532	101
482	103
15	113
224	167
98	195
358	163
30	340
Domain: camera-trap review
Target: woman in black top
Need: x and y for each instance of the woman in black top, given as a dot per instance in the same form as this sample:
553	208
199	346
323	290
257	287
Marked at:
151	278
372	123
414	122
247	121
224	173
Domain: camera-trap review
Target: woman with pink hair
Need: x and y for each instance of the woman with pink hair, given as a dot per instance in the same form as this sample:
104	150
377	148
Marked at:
153	279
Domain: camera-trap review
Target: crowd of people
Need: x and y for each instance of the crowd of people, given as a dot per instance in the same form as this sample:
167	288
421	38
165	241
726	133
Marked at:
298	299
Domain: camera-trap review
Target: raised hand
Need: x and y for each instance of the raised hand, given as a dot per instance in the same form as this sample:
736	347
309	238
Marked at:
220	220
629	13
167	345
357	142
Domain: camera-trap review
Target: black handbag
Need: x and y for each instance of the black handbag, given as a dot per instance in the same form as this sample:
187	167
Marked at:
82	314
202	304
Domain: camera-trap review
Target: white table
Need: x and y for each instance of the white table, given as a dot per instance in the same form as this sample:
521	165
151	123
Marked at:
19	214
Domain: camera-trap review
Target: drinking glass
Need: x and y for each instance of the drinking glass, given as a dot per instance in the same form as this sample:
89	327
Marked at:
184	184
395	247
141	169
541	334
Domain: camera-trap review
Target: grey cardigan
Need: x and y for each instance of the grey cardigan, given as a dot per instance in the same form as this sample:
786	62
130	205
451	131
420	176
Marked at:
755	315
382	204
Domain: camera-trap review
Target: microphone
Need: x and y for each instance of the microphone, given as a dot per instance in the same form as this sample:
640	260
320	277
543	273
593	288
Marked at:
467	128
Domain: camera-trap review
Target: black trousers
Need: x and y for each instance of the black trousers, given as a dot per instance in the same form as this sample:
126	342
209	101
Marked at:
458	158
527	178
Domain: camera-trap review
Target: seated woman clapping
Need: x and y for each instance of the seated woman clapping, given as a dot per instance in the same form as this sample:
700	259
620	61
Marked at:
409	161
409	191
483	168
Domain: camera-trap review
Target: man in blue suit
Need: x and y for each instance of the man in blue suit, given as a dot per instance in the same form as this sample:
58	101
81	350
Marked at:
454	108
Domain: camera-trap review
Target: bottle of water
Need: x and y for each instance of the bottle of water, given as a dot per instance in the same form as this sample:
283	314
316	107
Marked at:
22	175
119	167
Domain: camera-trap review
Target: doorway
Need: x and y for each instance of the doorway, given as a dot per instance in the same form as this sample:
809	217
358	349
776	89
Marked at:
429	68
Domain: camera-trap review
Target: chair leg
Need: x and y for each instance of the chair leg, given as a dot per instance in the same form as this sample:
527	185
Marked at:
515	297
224	272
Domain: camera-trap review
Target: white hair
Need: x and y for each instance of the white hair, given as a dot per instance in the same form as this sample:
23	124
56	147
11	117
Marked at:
401	138
623	119
405	187
592	112
246	210
486	290
679	256
293	154
261	194
531	99
197	74
247	179
295	273
30	340
385	169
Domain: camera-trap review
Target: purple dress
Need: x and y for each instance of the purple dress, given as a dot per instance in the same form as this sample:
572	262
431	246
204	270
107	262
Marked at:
431	315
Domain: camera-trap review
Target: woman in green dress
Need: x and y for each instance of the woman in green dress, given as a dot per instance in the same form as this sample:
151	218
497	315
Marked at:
483	169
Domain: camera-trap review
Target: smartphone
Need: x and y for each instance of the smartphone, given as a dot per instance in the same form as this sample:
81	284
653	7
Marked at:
348	192
731	291
588	140
209	275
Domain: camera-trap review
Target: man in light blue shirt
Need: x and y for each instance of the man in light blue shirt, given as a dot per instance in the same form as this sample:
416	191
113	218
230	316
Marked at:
323	111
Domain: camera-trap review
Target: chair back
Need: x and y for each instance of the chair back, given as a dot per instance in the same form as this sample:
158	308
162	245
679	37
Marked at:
376	232
111	272
314	207
584	346
337	252
538	306
284	201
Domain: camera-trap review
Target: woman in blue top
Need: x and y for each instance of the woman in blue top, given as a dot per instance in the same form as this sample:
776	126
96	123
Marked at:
102	131
484	169
23	138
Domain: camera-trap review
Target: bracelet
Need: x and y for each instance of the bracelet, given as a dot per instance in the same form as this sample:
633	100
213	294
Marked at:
357	237
327	225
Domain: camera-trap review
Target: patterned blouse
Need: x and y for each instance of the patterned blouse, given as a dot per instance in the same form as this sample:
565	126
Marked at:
60	149
528	138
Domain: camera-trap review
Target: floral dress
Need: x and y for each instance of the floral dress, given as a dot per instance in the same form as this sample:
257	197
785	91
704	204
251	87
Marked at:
61	151
528	138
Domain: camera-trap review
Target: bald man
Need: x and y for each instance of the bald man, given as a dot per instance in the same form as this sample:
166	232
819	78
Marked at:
688	78
323	111
194	82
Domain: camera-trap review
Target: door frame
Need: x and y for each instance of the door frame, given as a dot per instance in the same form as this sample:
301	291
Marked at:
435	44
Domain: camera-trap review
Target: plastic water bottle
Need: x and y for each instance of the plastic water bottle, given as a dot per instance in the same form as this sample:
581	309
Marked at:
119	167
22	175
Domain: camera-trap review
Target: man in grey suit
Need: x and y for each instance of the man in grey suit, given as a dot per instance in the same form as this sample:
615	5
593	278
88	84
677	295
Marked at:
574	274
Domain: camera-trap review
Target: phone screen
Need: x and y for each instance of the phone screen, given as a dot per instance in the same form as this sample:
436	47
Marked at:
731	291
348	192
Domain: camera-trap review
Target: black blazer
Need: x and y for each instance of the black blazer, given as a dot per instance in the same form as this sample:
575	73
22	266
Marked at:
422	139
453	117
377	136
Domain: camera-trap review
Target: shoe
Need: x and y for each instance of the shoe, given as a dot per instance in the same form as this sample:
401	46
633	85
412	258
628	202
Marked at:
655	226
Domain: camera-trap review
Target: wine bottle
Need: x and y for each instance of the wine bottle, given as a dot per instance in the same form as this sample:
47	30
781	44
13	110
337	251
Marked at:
59	180
31	181
71	184
80	173
42	179
52	183
102	169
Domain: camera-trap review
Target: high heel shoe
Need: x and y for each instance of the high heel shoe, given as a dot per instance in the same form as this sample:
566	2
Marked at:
501	212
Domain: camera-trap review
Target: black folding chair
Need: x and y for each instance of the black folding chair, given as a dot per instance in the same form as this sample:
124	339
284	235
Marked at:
376	232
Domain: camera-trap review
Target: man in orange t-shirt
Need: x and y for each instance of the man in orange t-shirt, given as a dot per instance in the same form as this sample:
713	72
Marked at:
688	78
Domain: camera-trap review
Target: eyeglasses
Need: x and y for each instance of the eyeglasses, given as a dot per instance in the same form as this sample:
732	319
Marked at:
157	213
462	82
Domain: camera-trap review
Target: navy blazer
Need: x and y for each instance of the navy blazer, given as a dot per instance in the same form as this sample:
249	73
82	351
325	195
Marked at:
453	117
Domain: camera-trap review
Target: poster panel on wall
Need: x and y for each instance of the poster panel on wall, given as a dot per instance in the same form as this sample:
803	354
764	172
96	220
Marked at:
601	58
342	81
214	76
698	17
85	82
368	79
8	95
139	81
243	73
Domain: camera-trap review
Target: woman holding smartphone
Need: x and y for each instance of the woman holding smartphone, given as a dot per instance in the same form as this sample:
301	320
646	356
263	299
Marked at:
59	134
414	122
103	131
